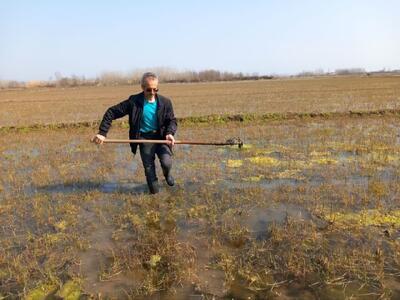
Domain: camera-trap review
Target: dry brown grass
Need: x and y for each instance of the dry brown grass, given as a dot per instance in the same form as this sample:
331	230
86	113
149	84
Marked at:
334	94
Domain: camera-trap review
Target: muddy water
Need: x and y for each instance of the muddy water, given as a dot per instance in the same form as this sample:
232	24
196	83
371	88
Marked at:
259	219
121	177
100	257
141	188
210	281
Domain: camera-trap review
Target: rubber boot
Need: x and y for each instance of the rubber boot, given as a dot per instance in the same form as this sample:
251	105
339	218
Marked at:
153	186
169	179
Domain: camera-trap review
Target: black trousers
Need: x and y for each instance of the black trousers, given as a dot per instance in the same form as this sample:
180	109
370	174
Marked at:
148	153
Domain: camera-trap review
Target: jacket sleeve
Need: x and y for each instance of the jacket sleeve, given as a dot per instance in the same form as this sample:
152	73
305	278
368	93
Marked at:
170	120
114	112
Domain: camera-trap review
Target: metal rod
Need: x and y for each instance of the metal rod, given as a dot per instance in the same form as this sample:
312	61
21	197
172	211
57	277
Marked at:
239	143
137	141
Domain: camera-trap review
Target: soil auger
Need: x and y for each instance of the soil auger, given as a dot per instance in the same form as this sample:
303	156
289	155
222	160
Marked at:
229	142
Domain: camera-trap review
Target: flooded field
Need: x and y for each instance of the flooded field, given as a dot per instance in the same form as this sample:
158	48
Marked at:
307	209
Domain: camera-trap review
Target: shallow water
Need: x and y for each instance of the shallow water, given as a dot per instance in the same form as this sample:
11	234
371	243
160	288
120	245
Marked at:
258	220
209	199
80	187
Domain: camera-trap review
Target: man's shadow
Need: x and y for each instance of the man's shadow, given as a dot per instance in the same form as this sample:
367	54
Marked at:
85	186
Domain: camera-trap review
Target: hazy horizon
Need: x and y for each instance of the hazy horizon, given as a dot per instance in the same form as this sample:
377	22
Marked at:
41	38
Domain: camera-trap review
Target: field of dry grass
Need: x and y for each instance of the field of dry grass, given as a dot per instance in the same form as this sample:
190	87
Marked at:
334	94
307	209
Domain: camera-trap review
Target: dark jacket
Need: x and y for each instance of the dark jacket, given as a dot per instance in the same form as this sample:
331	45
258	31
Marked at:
133	107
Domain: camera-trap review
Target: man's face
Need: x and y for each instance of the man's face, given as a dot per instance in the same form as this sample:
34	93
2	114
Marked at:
150	88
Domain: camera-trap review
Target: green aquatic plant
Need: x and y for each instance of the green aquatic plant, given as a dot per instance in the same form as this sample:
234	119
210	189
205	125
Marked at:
154	260
319	154
287	174
253	178
153	219
197	211
370	217
71	290
234	163
41	292
264	161
134	219
62	225
324	161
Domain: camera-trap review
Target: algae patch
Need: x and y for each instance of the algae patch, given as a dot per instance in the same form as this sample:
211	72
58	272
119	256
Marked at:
154	260
234	163
264	161
324	161
253	178
41	292
287	174
71	290
371	217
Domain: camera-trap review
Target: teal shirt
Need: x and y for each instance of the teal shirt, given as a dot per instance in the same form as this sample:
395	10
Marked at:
149	118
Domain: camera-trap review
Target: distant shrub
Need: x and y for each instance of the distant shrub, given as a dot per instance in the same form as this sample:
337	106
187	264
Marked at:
35	83
11	84
352	71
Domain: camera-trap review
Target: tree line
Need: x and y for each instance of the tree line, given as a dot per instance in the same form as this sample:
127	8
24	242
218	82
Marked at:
169	75
166	75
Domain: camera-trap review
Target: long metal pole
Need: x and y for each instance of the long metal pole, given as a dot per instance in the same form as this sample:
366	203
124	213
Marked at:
239	143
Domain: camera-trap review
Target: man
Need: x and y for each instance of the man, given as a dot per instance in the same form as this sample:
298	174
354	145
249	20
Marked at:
151	116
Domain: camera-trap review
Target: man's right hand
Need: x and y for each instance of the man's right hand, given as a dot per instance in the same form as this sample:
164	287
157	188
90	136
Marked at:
98	139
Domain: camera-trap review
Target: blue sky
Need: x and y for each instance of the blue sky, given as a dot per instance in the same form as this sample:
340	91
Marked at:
39	38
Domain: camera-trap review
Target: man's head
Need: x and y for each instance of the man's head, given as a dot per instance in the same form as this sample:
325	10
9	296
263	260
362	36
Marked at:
149	83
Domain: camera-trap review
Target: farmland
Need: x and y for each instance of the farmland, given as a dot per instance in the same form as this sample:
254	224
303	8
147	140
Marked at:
307	209
336	94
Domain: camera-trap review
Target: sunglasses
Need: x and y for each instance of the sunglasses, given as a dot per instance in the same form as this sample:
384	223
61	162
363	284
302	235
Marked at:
149	90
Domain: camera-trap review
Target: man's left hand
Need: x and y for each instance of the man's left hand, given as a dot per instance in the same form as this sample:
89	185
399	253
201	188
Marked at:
170	138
